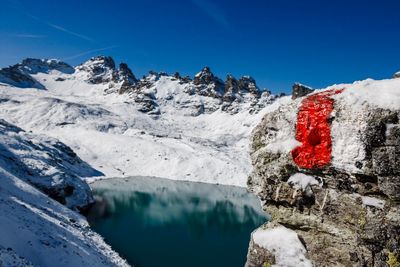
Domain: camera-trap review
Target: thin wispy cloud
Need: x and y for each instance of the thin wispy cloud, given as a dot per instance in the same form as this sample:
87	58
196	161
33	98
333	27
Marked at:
32	36
56	27
62	29
213	11
88	52
16	5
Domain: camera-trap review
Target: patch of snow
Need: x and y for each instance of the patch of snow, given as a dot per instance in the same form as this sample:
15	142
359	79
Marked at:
373	202
284	244
379	93
303	182
282	146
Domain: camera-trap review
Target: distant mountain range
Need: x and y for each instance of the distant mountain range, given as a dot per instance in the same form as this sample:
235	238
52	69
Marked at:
230	95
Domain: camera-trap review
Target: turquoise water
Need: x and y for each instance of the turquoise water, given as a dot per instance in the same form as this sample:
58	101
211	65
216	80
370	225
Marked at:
160	222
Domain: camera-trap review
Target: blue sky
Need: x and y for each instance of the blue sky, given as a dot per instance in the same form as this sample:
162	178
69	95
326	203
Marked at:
277	42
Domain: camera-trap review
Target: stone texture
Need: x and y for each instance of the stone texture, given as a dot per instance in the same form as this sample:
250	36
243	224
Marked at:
100	69
337	227
258	256
300	90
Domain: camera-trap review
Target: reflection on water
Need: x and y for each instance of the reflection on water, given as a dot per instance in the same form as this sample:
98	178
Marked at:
159	222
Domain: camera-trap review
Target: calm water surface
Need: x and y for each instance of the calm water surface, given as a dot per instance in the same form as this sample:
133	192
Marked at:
160	222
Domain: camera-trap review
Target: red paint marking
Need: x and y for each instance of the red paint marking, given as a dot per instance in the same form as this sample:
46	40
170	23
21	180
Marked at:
313	130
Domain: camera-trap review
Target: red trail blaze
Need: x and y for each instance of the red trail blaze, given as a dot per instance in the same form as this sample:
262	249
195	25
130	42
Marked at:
313	131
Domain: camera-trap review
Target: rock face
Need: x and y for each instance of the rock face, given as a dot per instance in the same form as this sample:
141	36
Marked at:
207	84
47	164
15	76
99	69
19	75
33	66
126	76
300	90
345	208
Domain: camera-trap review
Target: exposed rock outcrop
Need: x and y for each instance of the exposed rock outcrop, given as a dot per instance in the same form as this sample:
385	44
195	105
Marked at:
14	76
100	69
346	209
207	84
300	90
396	75
33	66
126	76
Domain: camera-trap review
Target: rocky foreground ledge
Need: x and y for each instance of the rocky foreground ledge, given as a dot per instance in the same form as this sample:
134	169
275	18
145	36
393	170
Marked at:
327	168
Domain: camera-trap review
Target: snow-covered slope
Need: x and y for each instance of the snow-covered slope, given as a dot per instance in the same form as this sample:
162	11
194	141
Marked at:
40	231
46	163
164	126
34	228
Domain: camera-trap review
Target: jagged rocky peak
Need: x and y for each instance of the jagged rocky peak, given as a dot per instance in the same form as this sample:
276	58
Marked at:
299	90
208	84
126	76
247	83
231	88
100	62
34	65
206	77
100	69
125	72
140	90
244	85
177	75
182	80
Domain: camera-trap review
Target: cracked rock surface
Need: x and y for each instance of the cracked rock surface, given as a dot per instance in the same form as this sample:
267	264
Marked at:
347	212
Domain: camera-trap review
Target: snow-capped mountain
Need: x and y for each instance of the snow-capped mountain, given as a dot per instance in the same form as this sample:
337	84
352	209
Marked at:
160	125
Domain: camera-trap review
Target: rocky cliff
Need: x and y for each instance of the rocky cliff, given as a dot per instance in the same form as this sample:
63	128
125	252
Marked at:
327	168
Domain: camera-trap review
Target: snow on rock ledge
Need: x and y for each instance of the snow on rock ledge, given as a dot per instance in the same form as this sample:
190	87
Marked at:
280	247
47	164
348	216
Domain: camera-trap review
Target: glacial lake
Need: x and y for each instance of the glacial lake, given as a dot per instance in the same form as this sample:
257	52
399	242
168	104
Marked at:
159	222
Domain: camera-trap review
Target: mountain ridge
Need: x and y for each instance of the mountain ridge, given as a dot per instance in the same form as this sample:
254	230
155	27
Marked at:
229	95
